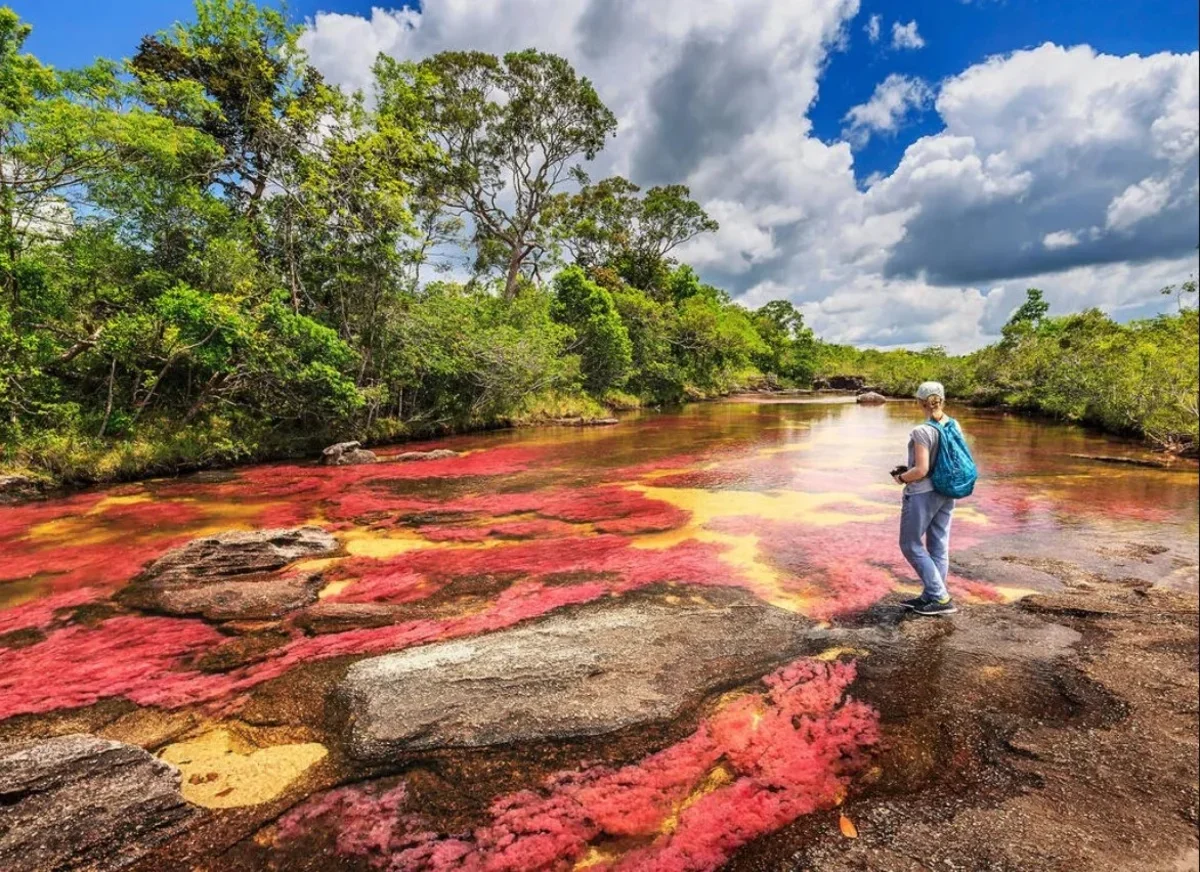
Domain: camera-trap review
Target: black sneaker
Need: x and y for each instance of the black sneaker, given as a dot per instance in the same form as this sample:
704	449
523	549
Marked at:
914	603
936	607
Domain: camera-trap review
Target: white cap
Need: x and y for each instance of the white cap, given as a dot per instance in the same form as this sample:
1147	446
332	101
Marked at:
931	389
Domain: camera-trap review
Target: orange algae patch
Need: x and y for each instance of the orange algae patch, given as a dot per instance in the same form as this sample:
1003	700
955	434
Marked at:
754	766
223	769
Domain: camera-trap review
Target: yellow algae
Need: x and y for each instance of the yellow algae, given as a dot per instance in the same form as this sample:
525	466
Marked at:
222	770
364	543
798	506
318	564
82	529
1012	594
719	776
334	588
741	552
991	672
16	593
830	654
124	500
970	515
79	529
594	857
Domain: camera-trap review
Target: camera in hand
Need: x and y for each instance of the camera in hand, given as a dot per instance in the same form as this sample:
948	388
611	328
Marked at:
898	469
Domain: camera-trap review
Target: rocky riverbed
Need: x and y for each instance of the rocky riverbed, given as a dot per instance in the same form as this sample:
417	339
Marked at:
672	644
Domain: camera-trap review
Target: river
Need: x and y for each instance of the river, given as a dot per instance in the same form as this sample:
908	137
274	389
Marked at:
752	513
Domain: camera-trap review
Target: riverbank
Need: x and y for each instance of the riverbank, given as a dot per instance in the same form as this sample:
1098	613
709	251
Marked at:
55	465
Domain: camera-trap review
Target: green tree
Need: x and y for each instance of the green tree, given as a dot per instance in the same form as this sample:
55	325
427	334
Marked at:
607	224
601	340
789	346
510	129
237	74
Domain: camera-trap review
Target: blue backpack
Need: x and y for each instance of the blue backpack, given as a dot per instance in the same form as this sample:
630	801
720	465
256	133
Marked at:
954	471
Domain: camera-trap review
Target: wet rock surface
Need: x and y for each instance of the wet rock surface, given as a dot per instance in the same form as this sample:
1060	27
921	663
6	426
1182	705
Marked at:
587	422
599	669
81	802
870	398
17	488
1064	739
233	576
347	454
323	618
416	456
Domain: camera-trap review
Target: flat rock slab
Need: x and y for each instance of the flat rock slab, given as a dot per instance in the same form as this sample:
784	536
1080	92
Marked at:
81	802
600	668
233	576
416	456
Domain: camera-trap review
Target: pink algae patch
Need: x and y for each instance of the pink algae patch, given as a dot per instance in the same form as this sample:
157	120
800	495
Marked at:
103	566
135	657
40	613
758	764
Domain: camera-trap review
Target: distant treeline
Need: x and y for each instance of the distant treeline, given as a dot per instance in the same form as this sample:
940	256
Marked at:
208	254
1138	379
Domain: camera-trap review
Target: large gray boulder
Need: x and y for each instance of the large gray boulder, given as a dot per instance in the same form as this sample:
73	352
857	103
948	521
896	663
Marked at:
233	576
346	454
870	398
597	669
81	802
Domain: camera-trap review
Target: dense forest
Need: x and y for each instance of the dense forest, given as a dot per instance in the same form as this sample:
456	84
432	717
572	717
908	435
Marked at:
208	254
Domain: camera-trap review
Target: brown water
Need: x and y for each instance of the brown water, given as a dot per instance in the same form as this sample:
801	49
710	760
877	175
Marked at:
788	501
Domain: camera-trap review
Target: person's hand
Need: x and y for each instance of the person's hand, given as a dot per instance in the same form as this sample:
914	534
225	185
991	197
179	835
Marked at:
896	478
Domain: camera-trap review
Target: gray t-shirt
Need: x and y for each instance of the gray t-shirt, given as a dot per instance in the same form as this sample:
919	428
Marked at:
927	435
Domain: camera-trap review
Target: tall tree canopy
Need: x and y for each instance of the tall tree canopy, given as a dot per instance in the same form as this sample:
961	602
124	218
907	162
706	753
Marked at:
609	224
510	129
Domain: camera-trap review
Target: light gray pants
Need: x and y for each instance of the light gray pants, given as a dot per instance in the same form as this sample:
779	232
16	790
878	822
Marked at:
925	539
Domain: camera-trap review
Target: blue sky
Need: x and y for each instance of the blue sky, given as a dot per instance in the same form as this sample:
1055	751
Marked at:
958	34
1005	144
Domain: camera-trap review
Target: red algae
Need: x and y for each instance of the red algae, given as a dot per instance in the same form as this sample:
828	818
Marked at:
103	565
756	765
134	657
40	613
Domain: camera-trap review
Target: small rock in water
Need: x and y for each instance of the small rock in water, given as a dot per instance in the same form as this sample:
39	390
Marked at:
233	576
437	454
81	802
338	617
601	668
346	454
870	398
16	488
587	422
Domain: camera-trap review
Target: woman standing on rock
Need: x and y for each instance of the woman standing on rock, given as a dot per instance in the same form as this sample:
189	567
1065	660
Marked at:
925	518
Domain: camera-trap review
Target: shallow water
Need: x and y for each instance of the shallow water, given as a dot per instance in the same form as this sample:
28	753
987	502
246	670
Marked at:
789	501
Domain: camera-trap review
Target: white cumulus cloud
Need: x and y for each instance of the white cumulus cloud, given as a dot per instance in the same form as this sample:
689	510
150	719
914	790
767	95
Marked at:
1060	239
906	35
873	27
1056	167
894	100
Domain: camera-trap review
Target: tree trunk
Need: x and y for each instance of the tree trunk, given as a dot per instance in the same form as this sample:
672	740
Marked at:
514	274
112	375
